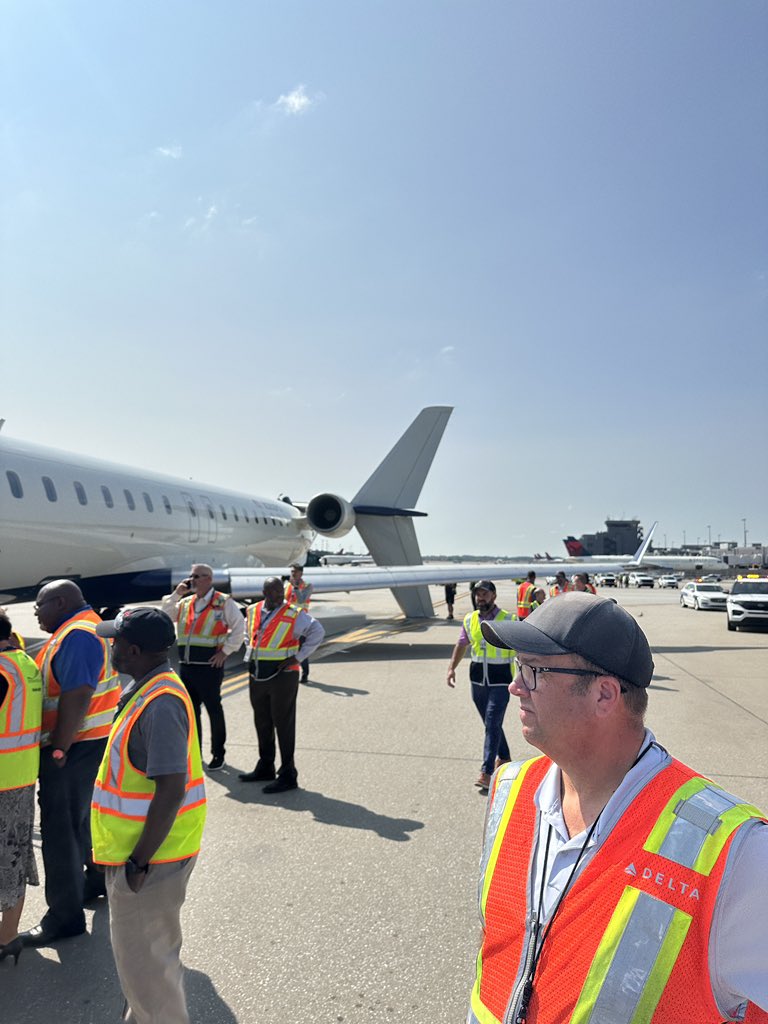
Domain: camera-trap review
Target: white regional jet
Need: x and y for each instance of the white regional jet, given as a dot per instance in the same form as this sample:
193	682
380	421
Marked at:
128	536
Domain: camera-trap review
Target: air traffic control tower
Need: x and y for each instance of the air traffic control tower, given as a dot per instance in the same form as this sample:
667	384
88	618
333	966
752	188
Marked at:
620	537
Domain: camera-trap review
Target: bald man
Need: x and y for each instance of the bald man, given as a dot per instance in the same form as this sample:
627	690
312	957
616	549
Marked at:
210	627
80	694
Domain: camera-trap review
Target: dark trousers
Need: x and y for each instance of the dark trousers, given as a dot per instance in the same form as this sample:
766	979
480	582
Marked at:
203	683
65	826
491	703
274	711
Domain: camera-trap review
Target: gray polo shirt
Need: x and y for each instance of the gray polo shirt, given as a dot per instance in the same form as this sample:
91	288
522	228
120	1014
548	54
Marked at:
159	738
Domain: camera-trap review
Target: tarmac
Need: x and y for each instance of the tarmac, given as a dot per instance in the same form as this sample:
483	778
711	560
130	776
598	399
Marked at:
353	898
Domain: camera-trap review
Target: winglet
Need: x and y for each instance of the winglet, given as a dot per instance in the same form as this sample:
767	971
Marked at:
639	555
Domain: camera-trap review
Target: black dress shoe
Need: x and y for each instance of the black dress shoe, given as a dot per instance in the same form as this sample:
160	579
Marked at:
44	934
281	785
257	775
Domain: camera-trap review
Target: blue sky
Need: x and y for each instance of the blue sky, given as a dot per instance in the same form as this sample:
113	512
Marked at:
247	242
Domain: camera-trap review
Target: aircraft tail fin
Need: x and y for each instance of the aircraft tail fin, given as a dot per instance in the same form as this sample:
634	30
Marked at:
384	505
575	548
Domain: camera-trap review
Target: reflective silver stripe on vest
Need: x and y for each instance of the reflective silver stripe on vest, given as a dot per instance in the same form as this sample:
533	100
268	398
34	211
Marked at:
109	682
14	673
696	818
135	807
495	812
632	961
95	721
138	806
20	740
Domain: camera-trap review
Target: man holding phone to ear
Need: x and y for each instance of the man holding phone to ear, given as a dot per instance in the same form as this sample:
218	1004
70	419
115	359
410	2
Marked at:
209	627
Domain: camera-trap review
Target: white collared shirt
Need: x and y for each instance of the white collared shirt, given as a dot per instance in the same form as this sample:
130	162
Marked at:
233	617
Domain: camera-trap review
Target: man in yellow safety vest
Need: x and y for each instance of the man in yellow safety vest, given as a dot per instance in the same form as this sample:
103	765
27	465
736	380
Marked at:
299	593
147	816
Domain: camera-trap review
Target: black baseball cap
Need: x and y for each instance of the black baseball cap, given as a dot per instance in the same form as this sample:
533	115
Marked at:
485	585
576	623
149	628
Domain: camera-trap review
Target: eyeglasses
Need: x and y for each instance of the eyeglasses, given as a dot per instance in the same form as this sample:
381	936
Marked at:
199	576
529	673
39	604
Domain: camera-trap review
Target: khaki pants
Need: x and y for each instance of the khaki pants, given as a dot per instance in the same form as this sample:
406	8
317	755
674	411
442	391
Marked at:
145	929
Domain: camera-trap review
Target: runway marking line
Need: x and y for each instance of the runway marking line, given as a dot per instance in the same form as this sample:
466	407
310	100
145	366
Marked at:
376	630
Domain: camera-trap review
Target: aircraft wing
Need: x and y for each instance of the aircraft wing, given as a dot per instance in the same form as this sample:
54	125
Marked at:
247	583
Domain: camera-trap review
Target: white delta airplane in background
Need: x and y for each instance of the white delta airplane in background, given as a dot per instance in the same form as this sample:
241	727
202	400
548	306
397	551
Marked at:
128	536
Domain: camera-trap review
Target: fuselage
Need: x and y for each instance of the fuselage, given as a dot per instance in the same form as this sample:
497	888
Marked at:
70	515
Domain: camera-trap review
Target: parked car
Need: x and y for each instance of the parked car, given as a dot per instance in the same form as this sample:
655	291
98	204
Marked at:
605	579
747	603
668	582
709	578
703	595
639	579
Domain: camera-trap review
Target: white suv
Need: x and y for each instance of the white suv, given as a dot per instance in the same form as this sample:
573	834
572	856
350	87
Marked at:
747	603
639	579
668	581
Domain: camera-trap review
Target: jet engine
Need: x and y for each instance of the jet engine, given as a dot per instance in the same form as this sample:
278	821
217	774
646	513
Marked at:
330	515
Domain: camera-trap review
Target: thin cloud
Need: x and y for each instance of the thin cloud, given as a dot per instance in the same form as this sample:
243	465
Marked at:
202	223
447	350
169	152
295	103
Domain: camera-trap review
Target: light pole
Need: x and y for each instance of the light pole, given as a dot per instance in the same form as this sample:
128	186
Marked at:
744	524
709	531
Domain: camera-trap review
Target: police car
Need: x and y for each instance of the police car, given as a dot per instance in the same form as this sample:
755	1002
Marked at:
747	603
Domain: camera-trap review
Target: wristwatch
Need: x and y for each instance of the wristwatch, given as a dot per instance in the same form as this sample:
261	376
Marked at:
132	867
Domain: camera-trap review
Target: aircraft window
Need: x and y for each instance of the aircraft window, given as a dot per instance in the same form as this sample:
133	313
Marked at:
107	496
50	489
14	483
192	509
148	502
80	492
166	505
223	513
129	499
211	513
245	516
273	522
234	513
